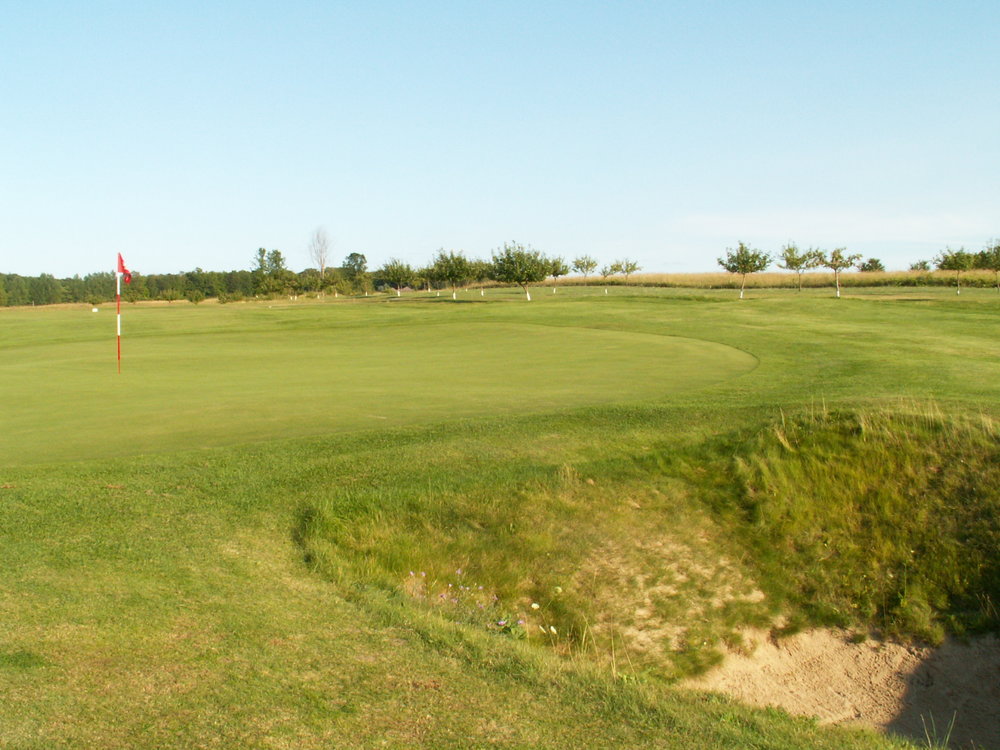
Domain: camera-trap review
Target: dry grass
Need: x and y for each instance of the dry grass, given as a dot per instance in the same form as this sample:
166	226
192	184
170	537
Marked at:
786	280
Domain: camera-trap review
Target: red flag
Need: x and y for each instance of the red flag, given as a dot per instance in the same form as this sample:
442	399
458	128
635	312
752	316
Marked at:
124	271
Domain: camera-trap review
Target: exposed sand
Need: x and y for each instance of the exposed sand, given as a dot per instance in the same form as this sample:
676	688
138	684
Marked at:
889	686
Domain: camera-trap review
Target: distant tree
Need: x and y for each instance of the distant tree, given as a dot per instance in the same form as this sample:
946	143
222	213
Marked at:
605	272
988	259
957	261
799	262
425	278
479	271
870	265
3	292
17	291
453	269
170	294
195	296
744	260
921	265
626	266
837	261
397	274
557	268
584	265
279	279
355	270
259	272
319	250
45	290
516	264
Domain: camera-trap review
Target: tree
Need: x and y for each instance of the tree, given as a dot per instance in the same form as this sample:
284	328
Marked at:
279	280
799	262
397	274
921	265
605	272
45	290
988	259
453	269
626	266
515	264
870	265
557	268
744	261
479	271
957	261
584	265
319	250
355	269
838	261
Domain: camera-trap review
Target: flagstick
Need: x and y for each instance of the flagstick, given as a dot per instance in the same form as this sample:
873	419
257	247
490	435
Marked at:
118	305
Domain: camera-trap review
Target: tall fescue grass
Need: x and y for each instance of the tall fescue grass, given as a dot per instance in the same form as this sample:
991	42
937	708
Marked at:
787	280
888	518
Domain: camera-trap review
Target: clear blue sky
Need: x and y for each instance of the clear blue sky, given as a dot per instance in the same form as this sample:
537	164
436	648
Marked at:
188	134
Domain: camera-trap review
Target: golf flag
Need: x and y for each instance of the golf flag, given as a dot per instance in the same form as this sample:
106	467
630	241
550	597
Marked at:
120	272
124	271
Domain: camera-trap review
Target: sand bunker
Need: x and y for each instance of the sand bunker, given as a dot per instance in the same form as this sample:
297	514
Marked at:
889	686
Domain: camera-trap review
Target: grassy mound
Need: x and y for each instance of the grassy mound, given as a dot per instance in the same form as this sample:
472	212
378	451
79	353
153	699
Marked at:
884	518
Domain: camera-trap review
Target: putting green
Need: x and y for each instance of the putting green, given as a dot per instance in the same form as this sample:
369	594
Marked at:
218	386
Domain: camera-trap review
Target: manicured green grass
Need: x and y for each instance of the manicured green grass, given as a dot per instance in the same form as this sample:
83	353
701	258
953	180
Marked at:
197	377
235	571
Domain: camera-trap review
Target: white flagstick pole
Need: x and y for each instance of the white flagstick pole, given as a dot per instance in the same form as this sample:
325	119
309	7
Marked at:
118	305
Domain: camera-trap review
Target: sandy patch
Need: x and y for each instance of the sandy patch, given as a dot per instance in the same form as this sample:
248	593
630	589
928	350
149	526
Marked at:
889	686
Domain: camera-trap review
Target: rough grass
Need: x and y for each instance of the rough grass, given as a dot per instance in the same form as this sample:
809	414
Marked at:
884	518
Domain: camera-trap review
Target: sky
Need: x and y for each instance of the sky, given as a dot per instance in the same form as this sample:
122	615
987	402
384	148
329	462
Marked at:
189	134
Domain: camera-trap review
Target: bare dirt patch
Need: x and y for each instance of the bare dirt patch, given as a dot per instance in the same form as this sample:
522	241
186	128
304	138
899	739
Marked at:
894	687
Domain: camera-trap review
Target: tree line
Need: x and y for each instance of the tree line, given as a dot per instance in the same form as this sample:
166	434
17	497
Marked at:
513	264
745	261
270	276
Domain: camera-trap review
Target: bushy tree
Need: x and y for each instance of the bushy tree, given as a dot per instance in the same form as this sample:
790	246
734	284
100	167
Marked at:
799	262
957	261
270	275
397	274
453	269
837	261
516	264
744	260
17	291
871	265
355	271
921	265
479	271
45	290
988	259
584	265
